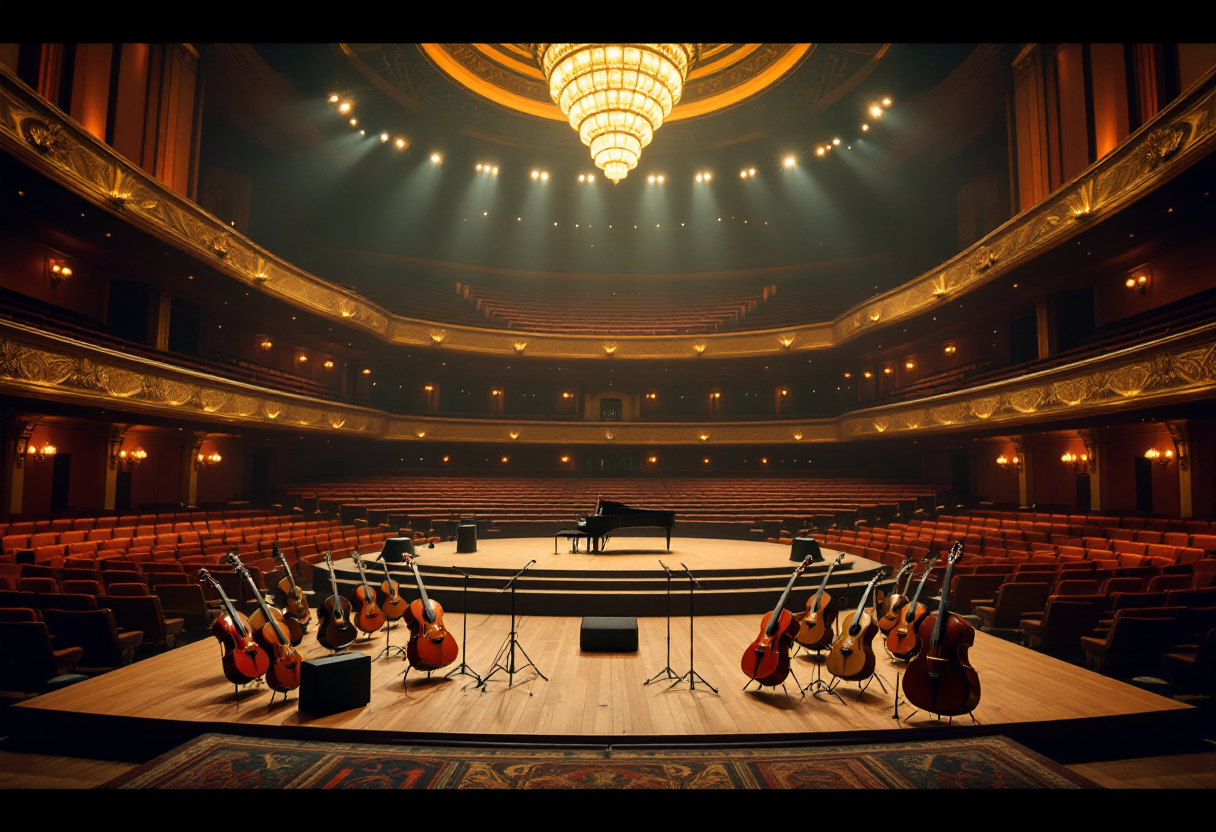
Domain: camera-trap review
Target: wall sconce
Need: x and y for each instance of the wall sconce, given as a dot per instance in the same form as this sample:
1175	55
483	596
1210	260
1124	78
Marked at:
513	434
520	346
265	344
797	436
445	459
367	371
786	341
437	337
652	396
652	460
848	375
206	460
303	359
1162	458
504	459
951	350
1005	463
785	392
909	365
609	348
132	458
59	271
565	459
565	395
42	451
868	374
699	347
715	395
886	371
705	437
1072	460
421	434
328	365
705	460
764	460
495	392
428	387
1138	281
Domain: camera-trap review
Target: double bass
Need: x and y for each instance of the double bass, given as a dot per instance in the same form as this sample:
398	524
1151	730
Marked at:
430	646
244	660
295	602
284	672
334	628
393	605
369	618
852	655
902	640
815	625
767	659
259	618
940	680
888	612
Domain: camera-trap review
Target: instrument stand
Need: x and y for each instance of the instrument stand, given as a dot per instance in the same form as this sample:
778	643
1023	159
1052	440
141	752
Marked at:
463	668
666	672
388	646
692	675
897	699
507	651
817	683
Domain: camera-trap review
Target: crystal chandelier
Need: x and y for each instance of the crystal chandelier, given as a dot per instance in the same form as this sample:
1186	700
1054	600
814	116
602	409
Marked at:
616	95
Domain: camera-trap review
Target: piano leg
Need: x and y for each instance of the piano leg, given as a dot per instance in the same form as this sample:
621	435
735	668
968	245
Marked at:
669	540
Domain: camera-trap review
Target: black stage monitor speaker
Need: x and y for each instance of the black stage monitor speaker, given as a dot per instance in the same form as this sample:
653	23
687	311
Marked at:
335	684
466	538
395	548
804	546
609	635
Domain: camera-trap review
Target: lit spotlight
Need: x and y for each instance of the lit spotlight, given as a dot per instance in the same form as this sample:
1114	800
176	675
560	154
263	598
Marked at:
742	174
479	166
344	107
751	171
494	171
789	161
354	122
400	144
536	174
708	176
333	98
819	151
384	137
886	102
362	132
544	175
582	177
700	177
650	179
436	158
661	178
865	128
876	111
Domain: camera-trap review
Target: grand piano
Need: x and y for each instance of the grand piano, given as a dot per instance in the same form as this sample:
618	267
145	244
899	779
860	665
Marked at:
610	516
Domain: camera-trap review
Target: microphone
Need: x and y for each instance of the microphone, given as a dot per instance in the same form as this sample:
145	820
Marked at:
665	569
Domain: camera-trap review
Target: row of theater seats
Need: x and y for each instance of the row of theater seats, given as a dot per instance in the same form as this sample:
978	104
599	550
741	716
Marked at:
530	499
615	312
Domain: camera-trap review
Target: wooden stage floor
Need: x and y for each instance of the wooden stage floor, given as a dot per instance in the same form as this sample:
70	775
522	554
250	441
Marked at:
1057	708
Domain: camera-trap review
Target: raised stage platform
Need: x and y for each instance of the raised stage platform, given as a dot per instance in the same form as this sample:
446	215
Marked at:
1066	712
736	576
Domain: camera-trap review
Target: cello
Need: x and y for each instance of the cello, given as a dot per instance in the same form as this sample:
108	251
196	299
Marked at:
430	646
334	628
243	659
902	640
295	602
888	612
940	680
852	655
767	659
284	672
368	616
393	605
815	625
259	618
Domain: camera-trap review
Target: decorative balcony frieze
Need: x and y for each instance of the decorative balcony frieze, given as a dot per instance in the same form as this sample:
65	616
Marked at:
47	139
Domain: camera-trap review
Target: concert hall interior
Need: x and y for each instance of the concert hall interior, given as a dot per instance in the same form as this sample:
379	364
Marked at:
813	415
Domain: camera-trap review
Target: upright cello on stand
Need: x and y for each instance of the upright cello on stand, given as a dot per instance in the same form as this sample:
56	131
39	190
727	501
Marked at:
940	680
334	628
274	635
767	659
244	660
431	646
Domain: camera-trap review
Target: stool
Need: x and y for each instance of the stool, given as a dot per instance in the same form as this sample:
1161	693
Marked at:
466	538
804	546
608	635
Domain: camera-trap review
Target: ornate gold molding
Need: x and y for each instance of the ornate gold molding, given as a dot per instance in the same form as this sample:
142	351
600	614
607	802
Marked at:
43	365
46	138
1180	433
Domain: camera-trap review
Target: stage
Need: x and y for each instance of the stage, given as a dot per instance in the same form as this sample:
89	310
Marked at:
736	576
1061	710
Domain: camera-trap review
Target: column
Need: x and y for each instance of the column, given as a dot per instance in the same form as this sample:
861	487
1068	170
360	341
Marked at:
118	432
162	311
1029	128
1046	332
19	427
1095	449
1025	481
190	466
1180	432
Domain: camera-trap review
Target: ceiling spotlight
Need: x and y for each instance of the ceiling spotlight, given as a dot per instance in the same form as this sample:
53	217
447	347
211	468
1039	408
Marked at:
494	170
544	176
700	177
708	176
344	107
661	178
479	165
836	142
400	144
354	122
742	174
362	132
333	98
789	161
582	177
436	158
819	151
876	111
650	179
886	102
865	128
384	137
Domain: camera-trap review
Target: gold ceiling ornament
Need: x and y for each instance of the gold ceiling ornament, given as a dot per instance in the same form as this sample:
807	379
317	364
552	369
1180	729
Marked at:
616	95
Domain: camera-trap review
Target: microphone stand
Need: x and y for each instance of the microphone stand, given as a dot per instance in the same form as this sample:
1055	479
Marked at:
666	672
692	675
463	669
510	645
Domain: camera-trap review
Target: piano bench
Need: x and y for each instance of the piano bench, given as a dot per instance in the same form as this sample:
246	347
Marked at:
573	535
608	635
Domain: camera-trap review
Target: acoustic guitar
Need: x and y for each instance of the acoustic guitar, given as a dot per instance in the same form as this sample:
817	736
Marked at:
296	602
902	640
889	610
334	628
368	616
430	646
940	679
852	655
767	659
243	660
816	623
393	605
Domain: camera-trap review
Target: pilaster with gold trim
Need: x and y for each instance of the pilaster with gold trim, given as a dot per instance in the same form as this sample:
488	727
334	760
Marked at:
190	466
1025	483
20	427
1180	432
117	432
1095	449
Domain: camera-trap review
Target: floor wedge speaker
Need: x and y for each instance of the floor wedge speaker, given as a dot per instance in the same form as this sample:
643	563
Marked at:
609	635
335	684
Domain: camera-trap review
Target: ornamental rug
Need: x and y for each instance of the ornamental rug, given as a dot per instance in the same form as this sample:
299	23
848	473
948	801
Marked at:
224	761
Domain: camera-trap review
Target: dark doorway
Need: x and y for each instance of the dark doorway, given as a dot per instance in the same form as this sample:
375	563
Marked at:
183	327
1023	340
1144	484
1074	317
259	479
1083	492
128	310
610	410
122	492
612	465
960	473
61	480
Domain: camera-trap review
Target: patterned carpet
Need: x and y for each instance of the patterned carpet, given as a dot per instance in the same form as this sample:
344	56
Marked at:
223	761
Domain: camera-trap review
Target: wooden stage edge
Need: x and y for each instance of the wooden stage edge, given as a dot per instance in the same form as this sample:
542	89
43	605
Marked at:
1068	713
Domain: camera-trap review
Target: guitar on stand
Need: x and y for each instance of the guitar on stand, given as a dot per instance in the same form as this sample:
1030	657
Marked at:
295	600
903	642
816	624
334	628
940	680
889	610
767	659
243	660
368	616
274	637
431	646
851	658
